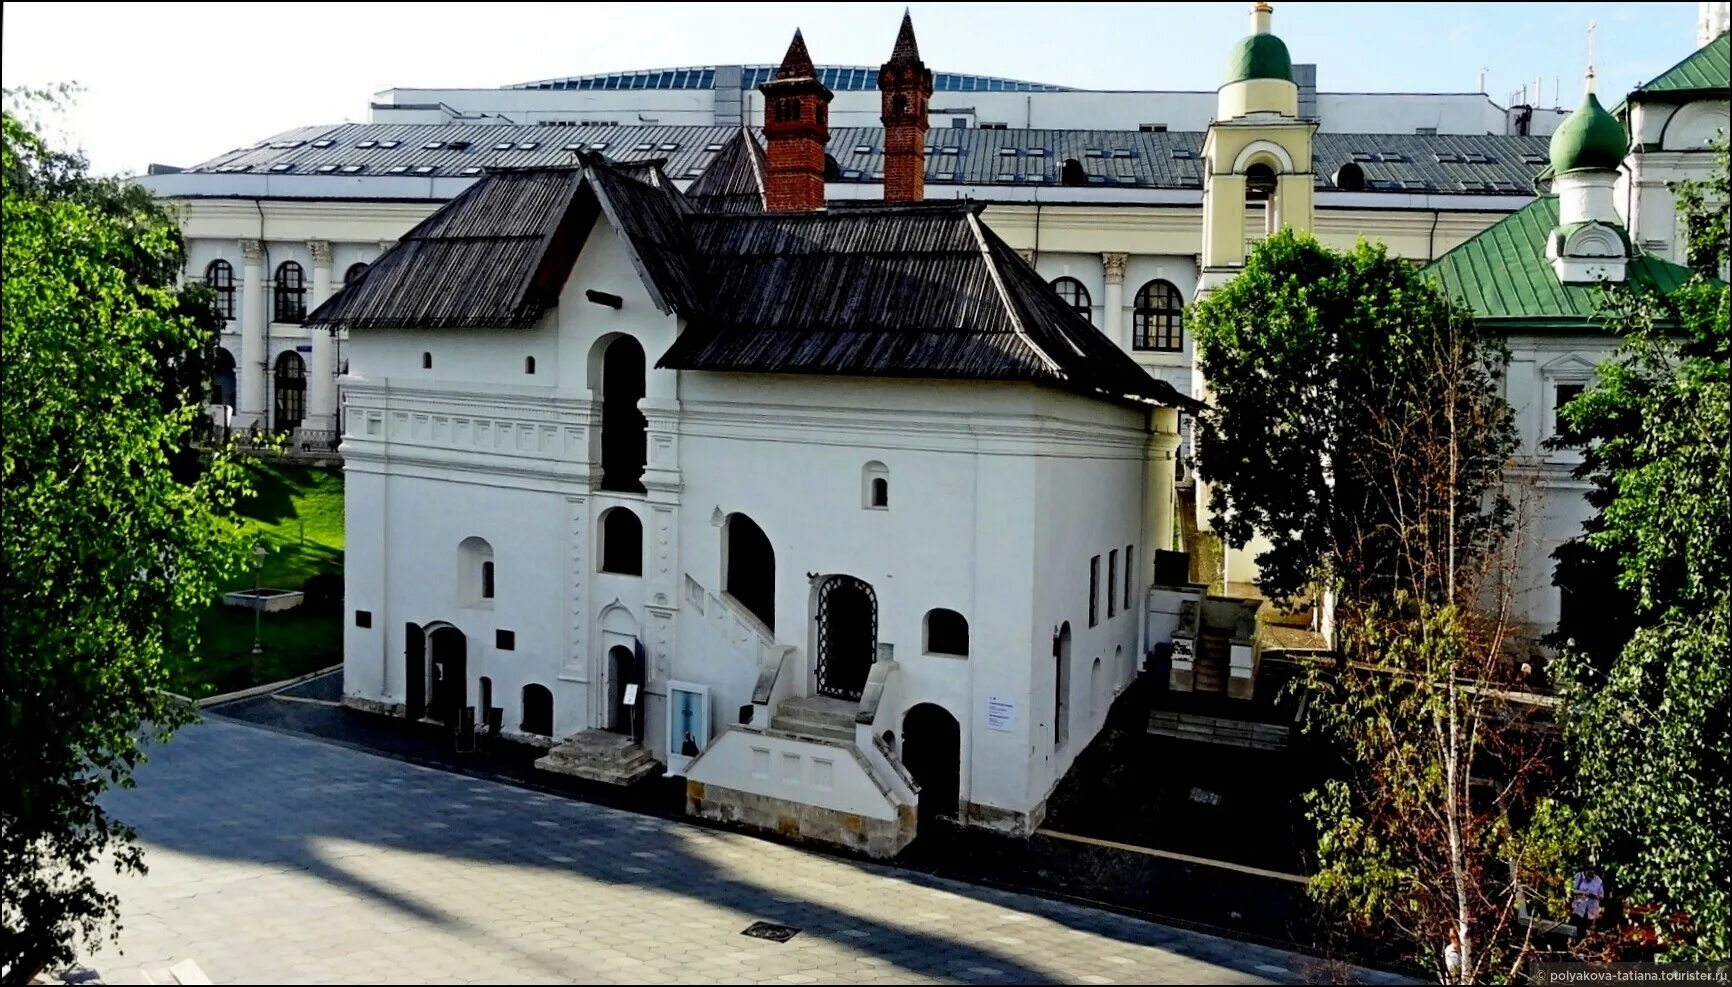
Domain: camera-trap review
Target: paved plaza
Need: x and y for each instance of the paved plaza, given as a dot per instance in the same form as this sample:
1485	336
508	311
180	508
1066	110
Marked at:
279	859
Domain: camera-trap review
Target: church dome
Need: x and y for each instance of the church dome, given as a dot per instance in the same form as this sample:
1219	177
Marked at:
1589	139
1259	56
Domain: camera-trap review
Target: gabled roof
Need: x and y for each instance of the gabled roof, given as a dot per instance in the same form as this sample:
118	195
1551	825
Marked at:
1707	70
921	290
734	180
495	256
1502	273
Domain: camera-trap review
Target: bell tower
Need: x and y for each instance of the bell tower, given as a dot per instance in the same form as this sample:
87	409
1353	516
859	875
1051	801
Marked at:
1257	153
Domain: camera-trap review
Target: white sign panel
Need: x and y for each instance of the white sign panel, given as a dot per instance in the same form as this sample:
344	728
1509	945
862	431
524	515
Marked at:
1000	713
631	694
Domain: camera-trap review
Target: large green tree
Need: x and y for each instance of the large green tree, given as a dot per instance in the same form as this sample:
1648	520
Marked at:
113	541
1647	666
1327	371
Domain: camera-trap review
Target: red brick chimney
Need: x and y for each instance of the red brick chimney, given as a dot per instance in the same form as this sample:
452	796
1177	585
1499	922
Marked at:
905	85
796	130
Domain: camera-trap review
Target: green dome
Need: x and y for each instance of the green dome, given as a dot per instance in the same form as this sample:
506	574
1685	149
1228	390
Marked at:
1589	139
1259	56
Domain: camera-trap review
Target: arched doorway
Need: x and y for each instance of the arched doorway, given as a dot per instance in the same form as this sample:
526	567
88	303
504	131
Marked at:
290	382
847	618
623	669
414	672
623	426
749	567
222	383
448	669
537	710
1061	686
932	753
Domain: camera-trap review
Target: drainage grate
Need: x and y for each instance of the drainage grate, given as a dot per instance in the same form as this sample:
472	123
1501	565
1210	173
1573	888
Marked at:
770	931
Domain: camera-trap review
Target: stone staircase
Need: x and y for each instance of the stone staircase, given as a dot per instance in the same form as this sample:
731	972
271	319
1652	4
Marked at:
600	755
816	718
1213	650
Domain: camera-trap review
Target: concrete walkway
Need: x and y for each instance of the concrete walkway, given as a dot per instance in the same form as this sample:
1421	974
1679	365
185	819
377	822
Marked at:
277	859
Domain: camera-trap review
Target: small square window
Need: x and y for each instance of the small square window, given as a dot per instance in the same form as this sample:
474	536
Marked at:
862	149
432	145
423	169
363	618
387	145
528	145
364	145
502	146
470	171
668	147
505	640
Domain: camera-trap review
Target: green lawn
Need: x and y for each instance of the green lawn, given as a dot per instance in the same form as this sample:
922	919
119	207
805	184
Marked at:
298	511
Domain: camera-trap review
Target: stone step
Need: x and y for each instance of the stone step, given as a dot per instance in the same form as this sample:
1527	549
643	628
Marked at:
802	726
816	716
598	755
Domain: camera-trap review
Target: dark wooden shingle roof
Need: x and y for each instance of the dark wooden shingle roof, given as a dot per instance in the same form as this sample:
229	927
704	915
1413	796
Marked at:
495	256
734	180
920	290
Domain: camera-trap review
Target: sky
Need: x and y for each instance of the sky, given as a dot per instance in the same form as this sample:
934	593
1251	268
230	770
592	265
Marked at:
181	83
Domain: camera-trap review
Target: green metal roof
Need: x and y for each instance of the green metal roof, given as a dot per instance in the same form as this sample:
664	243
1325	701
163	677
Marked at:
1589	138
1709	68
1502	273
1259	56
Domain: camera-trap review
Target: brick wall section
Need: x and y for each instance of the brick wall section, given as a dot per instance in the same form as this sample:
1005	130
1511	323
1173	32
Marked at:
794	174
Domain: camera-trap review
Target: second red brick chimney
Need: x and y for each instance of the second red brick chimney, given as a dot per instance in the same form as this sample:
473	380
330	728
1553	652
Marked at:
796	130
905	85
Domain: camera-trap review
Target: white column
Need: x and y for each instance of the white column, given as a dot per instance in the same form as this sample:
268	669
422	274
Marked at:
1113	310
1161	463
321	375
250	373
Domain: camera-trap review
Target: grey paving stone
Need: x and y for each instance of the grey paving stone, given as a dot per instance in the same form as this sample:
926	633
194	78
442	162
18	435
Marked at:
281	859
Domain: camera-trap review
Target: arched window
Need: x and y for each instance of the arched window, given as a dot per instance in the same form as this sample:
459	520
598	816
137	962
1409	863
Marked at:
353	274
475	573
1097	684
899	105
1158	322
529	364
220	275
1076	296
291	293
537	710
624	438
426	360
1259	183
1350	178
946	632
621	542
749	567
875	486
1072	173
290	382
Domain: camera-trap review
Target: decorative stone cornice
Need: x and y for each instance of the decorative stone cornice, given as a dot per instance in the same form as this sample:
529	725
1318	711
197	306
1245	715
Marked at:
253	251
1114	264
321	252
